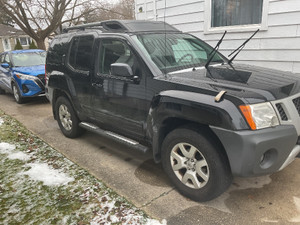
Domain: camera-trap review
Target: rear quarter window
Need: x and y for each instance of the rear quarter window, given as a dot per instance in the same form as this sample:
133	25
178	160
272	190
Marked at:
80	56
57	52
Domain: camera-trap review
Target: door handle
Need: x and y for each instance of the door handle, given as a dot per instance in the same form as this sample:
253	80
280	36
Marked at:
97	85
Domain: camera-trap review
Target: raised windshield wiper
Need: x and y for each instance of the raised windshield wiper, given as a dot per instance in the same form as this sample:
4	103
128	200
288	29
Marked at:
240	48
214	51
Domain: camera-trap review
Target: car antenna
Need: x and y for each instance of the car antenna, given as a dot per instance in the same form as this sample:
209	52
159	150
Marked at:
213	52
240	48
165	36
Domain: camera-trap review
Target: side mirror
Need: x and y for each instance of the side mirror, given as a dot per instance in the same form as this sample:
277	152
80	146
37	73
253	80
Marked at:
121	69
5	65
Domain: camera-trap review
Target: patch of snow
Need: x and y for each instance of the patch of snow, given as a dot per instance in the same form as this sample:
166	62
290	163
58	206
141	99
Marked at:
1	121
114	219
19	155
297	218
266	220
50	177
6	148
156	222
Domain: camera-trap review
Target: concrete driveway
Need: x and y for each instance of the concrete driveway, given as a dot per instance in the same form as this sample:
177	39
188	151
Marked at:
273	199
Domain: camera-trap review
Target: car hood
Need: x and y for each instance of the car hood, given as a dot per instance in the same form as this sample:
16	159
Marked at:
30	70
254	84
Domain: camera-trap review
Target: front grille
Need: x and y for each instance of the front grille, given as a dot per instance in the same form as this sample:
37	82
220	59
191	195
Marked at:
42	78
281	111
296	102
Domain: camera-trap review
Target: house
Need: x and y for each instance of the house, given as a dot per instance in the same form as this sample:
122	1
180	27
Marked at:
276	45
9	36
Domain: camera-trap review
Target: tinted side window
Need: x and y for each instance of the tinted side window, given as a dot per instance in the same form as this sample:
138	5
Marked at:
57	52
73	52
81	53
114	51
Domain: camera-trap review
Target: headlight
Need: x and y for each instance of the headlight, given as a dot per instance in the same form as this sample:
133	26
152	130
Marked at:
260	115
25	77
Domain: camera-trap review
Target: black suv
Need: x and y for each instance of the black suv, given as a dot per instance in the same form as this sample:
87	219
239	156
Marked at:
150	86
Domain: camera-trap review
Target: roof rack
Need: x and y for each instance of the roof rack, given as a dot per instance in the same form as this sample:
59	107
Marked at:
126	26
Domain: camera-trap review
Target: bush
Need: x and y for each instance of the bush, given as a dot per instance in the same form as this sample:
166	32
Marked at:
32	45
18	45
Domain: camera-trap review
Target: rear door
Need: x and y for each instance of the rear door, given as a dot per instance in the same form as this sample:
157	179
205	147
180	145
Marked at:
119	102
80	68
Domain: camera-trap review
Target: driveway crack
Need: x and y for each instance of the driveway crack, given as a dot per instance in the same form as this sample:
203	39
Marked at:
154	199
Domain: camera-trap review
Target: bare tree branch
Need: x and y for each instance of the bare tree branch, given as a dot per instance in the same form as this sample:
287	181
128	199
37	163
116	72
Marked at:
41	18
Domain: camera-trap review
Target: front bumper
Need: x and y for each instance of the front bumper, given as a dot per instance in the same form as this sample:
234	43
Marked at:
30	88
253	153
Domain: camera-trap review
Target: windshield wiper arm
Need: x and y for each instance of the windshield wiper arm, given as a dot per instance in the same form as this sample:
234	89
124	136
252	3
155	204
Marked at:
214	51
240	48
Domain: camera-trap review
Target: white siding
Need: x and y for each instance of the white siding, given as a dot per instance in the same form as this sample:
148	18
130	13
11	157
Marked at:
276	47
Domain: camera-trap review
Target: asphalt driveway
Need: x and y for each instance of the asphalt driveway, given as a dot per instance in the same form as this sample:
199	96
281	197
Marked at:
273	199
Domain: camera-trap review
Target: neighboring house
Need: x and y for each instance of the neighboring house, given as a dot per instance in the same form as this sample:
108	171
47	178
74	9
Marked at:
277	45
9	36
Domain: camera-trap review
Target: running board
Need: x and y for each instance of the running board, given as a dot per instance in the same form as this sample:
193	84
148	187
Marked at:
116	137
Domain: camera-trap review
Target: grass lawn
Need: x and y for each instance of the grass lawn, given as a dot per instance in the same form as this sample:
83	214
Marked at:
38	185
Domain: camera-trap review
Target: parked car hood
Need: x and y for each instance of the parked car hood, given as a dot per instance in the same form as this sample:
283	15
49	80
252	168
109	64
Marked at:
30	70
254	84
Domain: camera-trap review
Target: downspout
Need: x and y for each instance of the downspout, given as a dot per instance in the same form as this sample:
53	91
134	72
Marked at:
154	10
145	7
135	10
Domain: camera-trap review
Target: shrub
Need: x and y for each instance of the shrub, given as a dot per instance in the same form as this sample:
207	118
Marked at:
18	45
32	45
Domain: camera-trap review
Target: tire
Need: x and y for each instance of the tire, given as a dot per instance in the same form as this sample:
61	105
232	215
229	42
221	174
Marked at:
17	95
67	118
196	164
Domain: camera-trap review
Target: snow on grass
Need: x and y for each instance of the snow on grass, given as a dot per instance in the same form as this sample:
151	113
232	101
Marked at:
42	172
40	186
9	149
6	148
1	121
114	213
19	155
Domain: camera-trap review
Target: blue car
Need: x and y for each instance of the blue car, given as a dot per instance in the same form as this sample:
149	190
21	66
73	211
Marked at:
22	73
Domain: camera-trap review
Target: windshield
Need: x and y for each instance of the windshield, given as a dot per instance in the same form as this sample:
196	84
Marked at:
172	52
29	58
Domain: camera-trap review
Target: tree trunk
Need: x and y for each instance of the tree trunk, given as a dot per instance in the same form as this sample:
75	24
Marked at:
41	43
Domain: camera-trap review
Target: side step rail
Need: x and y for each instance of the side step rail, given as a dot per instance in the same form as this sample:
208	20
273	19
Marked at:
116	137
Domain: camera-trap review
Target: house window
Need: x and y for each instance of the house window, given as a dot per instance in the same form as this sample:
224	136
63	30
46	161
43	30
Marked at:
6	44
236	12
25	41
235	15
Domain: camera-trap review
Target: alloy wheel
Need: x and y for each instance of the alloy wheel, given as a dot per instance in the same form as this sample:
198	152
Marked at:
16	93
65	117
189	165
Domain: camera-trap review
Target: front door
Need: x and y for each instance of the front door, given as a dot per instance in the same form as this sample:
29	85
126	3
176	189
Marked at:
119	102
